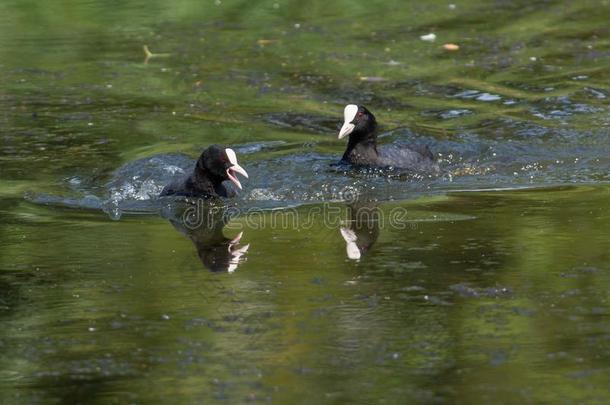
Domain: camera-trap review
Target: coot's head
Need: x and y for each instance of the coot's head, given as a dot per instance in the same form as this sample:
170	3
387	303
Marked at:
221	163
358	120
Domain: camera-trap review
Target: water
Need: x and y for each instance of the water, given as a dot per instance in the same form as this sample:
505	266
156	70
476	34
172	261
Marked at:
487	283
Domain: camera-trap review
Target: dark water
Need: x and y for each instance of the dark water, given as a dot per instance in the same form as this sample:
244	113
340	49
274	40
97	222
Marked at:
487	284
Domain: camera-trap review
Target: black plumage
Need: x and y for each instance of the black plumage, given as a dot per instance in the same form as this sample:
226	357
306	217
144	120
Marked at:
362	149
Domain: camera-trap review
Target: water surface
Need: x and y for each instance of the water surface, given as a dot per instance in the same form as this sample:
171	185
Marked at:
493	287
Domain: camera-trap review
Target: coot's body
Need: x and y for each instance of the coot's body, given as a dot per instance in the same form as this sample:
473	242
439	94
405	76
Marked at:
196	185
362	149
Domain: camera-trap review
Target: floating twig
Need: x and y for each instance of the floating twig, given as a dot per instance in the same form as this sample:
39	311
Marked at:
149	55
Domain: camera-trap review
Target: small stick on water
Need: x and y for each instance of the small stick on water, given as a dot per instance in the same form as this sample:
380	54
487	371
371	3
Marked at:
148	54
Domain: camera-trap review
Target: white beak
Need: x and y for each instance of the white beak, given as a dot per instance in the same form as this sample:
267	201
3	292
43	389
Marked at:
346	129
235	168
349	113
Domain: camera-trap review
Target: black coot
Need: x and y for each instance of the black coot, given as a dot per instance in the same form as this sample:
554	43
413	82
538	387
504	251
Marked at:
362	148
215	165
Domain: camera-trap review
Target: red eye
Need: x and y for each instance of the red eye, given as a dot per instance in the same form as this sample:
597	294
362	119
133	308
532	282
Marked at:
360	114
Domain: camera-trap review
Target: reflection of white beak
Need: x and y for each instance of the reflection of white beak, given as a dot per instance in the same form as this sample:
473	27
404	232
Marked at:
236	257
348	115
236	239
353	251
236	168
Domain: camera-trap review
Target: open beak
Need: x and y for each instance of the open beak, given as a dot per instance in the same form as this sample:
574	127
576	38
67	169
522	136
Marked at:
348	115
232	171
235	168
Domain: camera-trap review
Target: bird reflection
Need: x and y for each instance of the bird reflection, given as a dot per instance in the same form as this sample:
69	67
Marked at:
362	228
202	221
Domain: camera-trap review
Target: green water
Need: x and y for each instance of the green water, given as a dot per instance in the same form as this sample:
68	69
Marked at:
493	288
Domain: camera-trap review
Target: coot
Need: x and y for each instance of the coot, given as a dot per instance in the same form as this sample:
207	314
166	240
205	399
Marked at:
215	165
362	148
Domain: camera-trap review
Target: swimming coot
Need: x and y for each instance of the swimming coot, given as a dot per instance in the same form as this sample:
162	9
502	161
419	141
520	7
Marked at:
362	148
215	165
